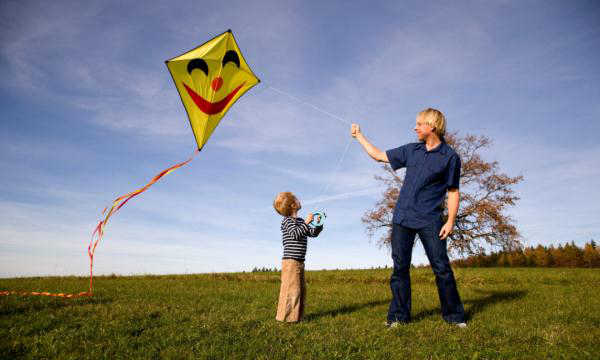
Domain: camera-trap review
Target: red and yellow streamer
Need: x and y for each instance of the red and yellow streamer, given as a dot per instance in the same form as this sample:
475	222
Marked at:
117	204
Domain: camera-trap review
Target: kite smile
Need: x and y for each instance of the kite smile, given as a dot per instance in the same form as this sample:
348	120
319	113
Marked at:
208	107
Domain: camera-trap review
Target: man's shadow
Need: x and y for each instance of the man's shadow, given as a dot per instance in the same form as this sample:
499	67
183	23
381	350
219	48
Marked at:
474	306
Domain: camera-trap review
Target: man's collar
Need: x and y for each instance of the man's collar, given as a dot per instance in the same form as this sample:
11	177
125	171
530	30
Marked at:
442	147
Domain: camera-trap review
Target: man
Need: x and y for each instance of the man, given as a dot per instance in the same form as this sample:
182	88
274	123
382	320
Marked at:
432	171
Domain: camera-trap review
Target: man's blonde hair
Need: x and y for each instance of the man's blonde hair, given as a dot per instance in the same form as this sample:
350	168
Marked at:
283	203
435	119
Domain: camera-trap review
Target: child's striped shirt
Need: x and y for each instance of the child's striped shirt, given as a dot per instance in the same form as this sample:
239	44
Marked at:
295	231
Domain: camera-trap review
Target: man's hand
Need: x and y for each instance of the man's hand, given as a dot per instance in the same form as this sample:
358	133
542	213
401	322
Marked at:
355	130
446	230
453	200
309	218
373	152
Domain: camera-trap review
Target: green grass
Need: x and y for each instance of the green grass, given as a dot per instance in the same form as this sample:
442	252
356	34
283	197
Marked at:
513	314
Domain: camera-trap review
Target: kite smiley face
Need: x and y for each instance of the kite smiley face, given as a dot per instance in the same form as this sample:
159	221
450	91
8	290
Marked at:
199	67
209	79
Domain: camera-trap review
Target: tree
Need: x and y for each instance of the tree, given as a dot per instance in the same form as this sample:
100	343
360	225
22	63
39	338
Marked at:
590	256
485	195
529	256
542	257
517	259
573	255
503	261
558	256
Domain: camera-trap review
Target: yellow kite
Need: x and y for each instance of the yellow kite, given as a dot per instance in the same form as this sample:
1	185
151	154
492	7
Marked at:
210	78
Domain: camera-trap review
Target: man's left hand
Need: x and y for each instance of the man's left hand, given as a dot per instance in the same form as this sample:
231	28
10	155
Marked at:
446	230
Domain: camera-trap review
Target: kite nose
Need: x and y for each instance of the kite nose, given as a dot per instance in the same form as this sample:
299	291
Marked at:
217	83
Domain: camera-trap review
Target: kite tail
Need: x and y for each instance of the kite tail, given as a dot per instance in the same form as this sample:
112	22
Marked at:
99	232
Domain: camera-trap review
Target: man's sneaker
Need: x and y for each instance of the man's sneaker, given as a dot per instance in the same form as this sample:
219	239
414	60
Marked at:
461	325
393	324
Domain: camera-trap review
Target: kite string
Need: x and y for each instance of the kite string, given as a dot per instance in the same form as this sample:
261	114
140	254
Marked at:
335	169
340	119
343	121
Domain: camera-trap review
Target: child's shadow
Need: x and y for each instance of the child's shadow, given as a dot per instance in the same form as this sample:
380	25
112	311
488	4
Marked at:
474	306
346	309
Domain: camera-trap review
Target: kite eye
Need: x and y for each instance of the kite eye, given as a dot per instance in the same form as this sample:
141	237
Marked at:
231	56
197	64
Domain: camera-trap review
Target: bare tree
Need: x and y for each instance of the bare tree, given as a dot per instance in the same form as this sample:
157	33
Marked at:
485	194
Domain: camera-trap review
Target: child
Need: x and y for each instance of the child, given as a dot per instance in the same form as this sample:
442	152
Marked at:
432	169
295	230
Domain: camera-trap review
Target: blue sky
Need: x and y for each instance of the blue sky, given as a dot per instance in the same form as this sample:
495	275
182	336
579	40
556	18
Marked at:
88	112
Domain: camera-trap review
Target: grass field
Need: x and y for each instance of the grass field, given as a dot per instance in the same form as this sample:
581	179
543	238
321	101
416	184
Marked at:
513	314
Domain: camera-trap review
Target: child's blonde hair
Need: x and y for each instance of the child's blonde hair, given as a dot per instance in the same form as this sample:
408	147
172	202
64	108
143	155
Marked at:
435	119
283	203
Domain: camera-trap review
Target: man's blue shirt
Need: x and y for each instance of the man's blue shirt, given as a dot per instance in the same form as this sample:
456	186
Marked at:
429	174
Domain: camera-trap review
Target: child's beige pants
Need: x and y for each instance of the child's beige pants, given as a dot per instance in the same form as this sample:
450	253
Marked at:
293	291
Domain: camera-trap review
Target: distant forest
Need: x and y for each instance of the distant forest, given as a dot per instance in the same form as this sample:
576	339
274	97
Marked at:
568	255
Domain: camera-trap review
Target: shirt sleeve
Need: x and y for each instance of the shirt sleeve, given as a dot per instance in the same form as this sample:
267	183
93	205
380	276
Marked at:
314	232
397	157
295	230
453	172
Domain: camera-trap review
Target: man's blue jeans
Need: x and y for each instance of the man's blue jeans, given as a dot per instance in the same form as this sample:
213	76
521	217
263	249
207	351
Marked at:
402	245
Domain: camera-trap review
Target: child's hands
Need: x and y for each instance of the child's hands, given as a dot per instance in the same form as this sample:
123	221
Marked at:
355	130
309	218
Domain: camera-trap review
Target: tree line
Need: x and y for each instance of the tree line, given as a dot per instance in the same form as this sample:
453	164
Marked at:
568	255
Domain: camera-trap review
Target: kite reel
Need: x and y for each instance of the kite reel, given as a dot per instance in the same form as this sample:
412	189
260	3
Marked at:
318	215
